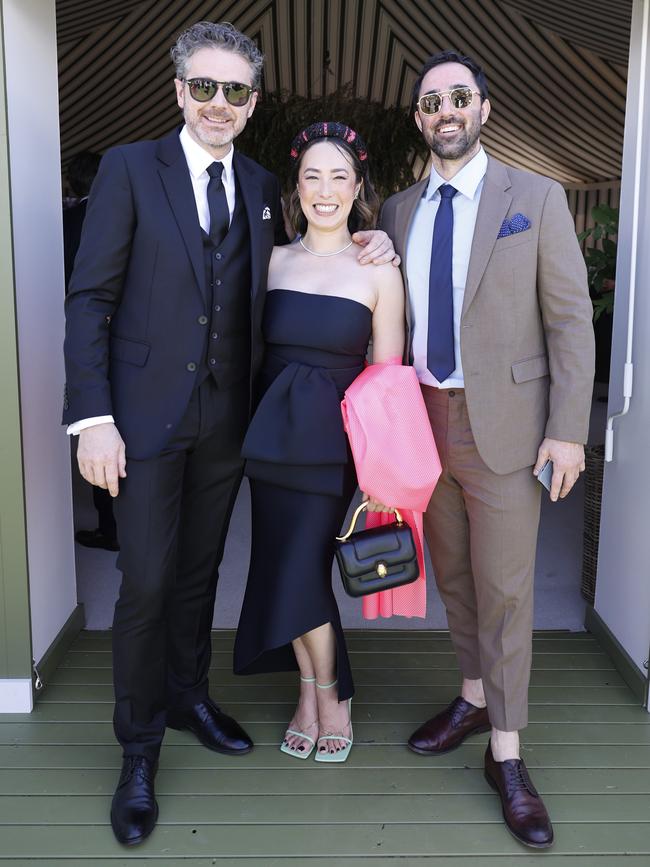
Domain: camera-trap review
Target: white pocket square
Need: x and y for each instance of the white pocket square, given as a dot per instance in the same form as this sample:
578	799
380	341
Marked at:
266	213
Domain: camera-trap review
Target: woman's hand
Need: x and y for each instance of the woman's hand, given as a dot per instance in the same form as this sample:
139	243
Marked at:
375	505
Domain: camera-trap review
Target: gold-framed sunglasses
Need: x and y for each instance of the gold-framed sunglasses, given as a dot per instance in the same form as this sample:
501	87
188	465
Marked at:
205	89
460	97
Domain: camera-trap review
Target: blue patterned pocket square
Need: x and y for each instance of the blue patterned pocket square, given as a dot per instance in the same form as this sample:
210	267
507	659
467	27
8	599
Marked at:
513	226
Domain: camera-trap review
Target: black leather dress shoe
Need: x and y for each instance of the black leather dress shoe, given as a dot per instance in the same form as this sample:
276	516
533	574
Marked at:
134	810
96	539
523	810
448	729
213	728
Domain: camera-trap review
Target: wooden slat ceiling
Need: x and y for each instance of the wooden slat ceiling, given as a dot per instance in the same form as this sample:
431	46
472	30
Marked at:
557	70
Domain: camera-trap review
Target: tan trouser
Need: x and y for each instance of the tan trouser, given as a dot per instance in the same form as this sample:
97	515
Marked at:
481	529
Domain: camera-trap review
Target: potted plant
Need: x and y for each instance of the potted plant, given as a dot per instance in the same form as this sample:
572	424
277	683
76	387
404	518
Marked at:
393	139
601	274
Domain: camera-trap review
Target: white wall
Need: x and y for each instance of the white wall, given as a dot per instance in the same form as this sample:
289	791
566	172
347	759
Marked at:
623	581
35	171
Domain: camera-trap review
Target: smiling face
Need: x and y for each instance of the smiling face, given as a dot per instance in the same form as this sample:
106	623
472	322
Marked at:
452	134
327	185
215	124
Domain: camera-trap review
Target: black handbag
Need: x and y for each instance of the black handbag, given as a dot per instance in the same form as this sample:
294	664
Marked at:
376	559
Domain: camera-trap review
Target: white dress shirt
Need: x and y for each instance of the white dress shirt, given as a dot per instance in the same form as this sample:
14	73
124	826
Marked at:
469	183
198	160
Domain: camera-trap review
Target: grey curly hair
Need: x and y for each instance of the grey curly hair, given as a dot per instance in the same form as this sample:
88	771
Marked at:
207	34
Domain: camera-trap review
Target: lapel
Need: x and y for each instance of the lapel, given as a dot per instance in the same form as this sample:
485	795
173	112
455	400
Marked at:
492	209
404	213
176	180
252	196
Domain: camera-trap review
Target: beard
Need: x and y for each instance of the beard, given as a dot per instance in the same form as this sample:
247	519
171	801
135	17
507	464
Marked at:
463	142
215	138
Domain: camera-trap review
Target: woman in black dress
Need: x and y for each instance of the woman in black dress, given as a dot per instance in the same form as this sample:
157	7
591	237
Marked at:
322	308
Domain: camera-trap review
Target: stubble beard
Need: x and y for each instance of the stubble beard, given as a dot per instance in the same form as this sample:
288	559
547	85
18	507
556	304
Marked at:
457	149
214	138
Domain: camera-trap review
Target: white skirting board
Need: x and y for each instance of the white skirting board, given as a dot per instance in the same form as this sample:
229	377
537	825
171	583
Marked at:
16	696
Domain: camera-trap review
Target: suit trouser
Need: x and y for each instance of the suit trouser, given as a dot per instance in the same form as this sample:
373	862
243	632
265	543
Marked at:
172	517
481	529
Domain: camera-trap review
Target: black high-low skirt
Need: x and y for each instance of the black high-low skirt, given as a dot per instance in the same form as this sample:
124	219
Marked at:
301	477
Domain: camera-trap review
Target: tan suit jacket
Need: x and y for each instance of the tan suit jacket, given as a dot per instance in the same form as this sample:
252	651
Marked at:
527	341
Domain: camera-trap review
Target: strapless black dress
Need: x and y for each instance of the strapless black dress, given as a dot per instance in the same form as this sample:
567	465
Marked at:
301	477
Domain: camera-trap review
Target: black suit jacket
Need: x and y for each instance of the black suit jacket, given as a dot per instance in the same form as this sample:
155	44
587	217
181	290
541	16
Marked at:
138	290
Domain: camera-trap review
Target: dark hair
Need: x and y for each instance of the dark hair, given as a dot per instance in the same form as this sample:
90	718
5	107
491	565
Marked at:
81	172
365	209
450	56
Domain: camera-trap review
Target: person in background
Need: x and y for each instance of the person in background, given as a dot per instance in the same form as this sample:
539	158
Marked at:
81	172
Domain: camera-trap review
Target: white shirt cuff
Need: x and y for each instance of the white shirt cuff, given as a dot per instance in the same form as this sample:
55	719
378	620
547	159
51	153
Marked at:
76	427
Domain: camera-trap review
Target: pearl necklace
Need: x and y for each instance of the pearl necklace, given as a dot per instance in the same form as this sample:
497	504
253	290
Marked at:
324	255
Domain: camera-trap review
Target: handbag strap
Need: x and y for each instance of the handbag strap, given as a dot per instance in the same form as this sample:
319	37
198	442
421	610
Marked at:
360	508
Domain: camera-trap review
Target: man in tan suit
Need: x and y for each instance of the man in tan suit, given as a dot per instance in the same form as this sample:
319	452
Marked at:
500	333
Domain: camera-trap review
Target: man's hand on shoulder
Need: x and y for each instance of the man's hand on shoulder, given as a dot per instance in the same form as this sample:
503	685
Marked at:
101	456
378	248
568	462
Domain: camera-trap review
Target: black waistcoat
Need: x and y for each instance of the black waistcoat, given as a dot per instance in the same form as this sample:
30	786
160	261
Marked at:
228	284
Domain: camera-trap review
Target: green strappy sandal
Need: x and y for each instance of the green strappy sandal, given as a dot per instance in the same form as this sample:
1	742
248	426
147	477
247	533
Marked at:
284	746
339	755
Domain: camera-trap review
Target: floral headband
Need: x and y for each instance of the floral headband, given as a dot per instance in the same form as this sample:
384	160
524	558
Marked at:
330	129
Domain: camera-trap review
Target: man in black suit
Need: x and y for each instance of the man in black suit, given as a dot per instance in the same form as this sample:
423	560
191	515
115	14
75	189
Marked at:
163	341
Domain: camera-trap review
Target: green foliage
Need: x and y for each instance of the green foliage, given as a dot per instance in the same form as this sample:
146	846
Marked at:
390	134
601	259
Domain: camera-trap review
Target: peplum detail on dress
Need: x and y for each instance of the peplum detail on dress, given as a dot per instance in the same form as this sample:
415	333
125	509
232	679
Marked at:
296	438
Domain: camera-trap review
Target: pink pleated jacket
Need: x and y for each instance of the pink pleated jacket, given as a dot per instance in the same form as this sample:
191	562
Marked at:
397	463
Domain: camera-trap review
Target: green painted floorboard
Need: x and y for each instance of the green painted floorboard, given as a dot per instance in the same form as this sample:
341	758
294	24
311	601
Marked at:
588	747
332	840
503	860
309	778
411	712
318	809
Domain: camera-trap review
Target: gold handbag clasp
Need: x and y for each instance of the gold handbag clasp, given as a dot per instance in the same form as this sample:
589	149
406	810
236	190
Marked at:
360	508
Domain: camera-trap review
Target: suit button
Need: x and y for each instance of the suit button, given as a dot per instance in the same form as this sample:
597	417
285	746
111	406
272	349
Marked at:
214	335
217	308
202	320
451	393
213	361
191	366
217	282
217	255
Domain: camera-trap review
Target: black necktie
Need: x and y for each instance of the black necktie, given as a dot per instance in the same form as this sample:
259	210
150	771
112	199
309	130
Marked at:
441	359
218	204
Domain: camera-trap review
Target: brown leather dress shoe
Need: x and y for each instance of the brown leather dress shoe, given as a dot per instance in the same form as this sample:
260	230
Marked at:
523	810
448	729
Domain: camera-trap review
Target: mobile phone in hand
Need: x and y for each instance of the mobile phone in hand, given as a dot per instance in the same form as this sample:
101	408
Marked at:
545	475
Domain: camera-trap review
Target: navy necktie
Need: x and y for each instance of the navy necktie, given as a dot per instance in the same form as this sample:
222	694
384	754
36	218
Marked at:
441	359
218	204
